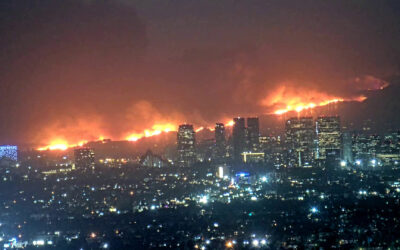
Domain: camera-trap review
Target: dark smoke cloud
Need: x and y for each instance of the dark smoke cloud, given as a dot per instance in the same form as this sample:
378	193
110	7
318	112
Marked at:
81	69
66	64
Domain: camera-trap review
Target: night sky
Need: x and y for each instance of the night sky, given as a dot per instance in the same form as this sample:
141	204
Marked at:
80	69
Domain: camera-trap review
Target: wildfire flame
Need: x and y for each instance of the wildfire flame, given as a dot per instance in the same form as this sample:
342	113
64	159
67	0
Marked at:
199	129
286	99
292	97
230	123
155	130
227	124
298	107
60	144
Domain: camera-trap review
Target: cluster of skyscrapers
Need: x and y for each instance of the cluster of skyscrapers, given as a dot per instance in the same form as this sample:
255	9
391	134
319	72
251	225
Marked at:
245	139
303	142
306	142
309	141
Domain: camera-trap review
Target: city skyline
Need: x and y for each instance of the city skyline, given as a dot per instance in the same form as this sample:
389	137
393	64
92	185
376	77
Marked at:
199	124
276	123
154	86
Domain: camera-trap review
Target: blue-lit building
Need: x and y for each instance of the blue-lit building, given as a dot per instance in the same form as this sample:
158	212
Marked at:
243	178
9	152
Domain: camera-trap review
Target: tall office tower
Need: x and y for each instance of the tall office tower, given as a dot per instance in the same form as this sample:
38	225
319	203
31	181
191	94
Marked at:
220	142
328	137
239	138
347	147
300	134
186	145
364	146
84	158
253	133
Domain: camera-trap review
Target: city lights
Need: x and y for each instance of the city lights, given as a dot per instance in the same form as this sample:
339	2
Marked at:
203	199
255	243
229	244
165	184
199	124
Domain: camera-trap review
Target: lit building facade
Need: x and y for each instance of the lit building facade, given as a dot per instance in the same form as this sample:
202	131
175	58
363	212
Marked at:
253	134
186	145
153	160
273	148
347	153
300	134
328	137
239	138
250	157
365	146
84	158
220	142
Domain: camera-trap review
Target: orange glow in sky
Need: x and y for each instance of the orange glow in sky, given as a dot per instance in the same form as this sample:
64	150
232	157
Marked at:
62	144
287	101
229	124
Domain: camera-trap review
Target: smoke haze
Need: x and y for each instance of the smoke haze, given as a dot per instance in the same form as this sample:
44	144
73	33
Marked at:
77	70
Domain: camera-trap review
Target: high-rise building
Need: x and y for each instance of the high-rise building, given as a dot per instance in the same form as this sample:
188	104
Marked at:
253	134
250	157
388	153
239	138
347	154
153	160
186	145
328	136
274	150
365	146
220	142
84	158
300	141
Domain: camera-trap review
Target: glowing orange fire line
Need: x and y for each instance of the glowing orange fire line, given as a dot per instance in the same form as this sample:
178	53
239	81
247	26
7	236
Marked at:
61	144
301	107
155	130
